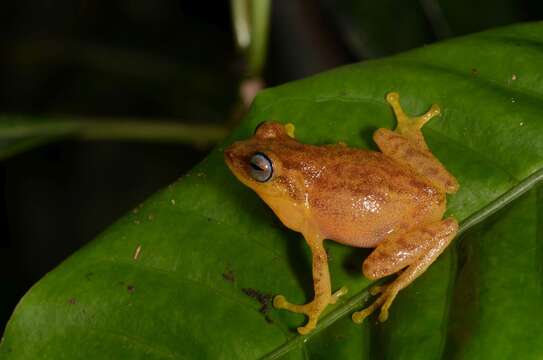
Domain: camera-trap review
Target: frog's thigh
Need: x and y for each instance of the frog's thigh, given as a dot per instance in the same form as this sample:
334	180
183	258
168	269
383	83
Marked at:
401	250
417	156
416	251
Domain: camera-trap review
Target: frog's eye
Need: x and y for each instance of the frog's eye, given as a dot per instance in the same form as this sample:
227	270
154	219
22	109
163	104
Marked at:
261	167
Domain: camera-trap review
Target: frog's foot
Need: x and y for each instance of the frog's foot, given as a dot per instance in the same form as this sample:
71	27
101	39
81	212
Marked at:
406	124
377	289
383	301
338	294
406	144
312	309
408	254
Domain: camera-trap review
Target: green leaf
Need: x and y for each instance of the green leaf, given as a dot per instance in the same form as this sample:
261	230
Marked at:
190	272
498	291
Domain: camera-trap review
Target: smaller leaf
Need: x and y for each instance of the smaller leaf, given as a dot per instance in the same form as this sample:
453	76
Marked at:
19	134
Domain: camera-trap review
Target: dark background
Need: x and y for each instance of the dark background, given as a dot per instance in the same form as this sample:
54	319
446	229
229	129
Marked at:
163	59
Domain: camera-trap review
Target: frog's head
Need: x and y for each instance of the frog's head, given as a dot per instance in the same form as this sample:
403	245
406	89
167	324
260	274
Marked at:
259	162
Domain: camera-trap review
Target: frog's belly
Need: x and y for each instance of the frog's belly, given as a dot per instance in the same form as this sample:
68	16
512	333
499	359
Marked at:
367	219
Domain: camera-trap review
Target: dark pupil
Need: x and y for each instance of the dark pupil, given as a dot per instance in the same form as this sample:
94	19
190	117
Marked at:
256	167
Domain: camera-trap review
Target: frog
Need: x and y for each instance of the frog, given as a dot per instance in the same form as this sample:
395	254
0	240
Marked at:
392	201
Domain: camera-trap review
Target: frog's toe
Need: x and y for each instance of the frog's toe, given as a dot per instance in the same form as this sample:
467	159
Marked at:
338	294
393	97
359	316
377	289
307	328
312	309
383	315
279	302
388	294
312	312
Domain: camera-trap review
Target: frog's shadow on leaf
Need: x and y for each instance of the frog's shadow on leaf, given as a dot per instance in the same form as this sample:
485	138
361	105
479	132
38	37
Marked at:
299	259
352	263
243	200
367	136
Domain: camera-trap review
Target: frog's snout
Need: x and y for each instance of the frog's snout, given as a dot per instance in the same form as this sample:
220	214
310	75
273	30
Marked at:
229	155
232	158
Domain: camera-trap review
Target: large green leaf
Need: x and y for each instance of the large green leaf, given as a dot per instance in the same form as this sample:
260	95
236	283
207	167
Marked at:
210	253
495	306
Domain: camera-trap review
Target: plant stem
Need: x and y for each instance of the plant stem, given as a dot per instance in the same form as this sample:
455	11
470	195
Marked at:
83	128
499	203
260	19
240	20
251	19
150	131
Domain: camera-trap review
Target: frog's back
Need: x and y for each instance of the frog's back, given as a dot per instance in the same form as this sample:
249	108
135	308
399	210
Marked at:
359	197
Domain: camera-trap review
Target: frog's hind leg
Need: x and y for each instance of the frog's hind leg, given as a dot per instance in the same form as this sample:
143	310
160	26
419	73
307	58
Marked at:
406	145
414	251
322	286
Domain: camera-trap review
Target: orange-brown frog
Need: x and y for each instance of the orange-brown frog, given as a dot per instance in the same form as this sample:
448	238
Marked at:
392	201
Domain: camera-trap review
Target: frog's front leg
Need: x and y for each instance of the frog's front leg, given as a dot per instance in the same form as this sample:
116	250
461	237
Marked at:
322	287
406	145
414	251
